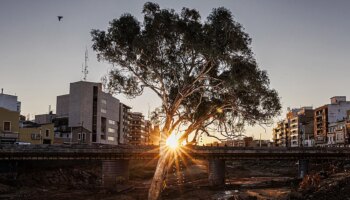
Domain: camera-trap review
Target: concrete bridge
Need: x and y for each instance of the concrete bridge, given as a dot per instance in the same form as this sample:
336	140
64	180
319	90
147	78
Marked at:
115	159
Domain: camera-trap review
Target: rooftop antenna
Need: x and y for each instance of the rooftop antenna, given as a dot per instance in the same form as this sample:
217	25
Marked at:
84	69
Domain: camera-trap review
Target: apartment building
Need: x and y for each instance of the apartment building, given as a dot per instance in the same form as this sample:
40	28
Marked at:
148	131
338	133
281	135
87	108
301	127
154	137
136	135
123	125
328	114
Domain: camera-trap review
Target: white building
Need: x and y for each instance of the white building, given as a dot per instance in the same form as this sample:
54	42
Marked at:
329	114
9	102
89	107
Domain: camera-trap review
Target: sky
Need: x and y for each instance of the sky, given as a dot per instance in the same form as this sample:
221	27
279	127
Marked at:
304	46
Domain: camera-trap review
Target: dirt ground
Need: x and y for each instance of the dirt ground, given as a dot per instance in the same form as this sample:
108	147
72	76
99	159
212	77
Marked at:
245	180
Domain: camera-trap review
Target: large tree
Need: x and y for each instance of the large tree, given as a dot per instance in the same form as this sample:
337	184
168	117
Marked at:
204	72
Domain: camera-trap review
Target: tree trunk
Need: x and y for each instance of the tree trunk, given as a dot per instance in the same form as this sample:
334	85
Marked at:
161	170
159	176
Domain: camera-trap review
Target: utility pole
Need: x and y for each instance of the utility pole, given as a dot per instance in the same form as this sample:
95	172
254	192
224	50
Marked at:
260	134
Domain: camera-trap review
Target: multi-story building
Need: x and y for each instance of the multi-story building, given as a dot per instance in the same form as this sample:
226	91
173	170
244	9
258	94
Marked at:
244	142
302	127
34	133
147	132
296	129
328	114
154	137
281	136
9	102
338	133
97	112
123	125
277	133
136	134
9	126
291	118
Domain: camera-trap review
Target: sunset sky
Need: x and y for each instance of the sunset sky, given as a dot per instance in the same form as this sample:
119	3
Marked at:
303	45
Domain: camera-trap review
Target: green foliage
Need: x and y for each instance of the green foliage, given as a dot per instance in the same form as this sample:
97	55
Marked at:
204	72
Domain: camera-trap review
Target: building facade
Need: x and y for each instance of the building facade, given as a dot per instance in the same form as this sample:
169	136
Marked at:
281	134
123	125
136	134
329	114
97	112
302	127
9	126
10	102
338	133
296	129
34	133
45	118
154	137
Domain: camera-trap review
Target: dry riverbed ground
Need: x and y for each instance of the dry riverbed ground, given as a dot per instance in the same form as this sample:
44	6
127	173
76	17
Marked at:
245	180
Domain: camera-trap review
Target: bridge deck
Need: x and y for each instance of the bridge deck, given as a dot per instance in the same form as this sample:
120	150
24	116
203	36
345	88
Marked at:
108	152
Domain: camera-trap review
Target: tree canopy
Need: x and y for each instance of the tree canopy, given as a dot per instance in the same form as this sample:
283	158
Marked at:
204	71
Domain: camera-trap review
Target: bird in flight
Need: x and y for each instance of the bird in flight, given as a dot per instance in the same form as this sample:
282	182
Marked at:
59	18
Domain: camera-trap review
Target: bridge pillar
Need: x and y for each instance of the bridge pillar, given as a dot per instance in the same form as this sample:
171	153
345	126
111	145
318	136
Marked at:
114	172
216	171
303	168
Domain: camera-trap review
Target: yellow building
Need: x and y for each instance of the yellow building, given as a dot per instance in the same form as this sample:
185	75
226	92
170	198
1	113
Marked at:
37	133
9	128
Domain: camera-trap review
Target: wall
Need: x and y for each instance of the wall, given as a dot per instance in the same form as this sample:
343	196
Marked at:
79	107
37	135
11	116
62	105
338	112
44	118
123	128
111	106
10	102
76	131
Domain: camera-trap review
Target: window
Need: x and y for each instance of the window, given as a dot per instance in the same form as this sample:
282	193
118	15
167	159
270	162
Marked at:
7	126
103	124
79	136
111	122
47	133
103	110
35	136
111	130
84	137
110	138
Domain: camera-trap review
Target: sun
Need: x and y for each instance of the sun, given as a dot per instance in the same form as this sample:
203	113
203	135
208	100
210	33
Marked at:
172	142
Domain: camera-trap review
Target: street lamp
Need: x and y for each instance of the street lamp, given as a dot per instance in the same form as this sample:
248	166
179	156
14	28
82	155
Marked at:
260	135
